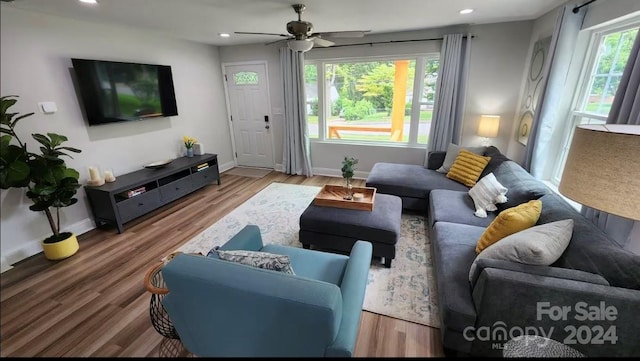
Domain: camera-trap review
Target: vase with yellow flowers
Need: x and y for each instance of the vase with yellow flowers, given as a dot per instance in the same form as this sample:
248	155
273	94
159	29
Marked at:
188	143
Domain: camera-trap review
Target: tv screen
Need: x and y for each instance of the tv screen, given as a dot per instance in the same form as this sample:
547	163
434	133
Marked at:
115	91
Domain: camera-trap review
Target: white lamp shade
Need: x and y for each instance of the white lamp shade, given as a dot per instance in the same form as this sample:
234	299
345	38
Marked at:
603	169
489	126
300	45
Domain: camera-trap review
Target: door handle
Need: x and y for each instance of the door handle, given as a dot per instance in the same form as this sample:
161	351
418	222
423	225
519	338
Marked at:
266	119
267	126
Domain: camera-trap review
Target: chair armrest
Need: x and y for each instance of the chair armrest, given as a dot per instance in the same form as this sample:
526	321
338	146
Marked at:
353	287
248	239
222	308
548	271
435	159
506	300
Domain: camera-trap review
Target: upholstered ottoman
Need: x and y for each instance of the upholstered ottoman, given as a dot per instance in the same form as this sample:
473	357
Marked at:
337	229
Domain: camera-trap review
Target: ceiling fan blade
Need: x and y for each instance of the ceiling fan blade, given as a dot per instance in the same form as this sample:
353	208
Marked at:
279	41
250	33
322	42
343	34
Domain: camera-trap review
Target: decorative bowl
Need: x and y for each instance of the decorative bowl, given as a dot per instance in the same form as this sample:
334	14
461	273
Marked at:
158	164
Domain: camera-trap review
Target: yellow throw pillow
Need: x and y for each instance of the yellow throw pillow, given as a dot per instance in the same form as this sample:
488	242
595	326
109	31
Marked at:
467	167
510	221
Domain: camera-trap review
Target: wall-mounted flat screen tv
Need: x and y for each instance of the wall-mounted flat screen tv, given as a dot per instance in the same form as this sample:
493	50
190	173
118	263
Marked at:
115	91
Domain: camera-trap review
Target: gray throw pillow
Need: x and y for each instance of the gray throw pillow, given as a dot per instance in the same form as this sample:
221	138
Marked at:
452	154
265	260
539	245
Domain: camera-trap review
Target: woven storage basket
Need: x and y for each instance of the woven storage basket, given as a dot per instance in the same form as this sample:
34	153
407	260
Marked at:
154	283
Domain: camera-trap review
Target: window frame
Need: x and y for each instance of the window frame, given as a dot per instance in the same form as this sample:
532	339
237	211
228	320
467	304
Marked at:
575	113
416	100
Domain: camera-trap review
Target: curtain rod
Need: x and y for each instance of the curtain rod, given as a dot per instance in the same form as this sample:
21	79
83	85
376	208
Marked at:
389	42
578	7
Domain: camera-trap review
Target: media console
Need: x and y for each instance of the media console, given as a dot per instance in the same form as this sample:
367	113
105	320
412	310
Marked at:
135	194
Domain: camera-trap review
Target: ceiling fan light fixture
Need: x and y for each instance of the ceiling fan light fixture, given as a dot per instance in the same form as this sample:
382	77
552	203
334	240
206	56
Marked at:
300	45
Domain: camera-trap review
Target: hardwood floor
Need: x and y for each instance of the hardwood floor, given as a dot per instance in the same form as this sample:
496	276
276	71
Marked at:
94	304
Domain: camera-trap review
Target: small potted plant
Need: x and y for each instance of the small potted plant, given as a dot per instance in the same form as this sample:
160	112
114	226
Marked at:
49	182
188	143
348	168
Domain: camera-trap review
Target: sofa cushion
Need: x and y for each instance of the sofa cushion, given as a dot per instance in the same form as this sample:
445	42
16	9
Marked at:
453	247
509	222
522	186
590	249
486	194
452	154
409	180
540	245
454	207
467	167
497	158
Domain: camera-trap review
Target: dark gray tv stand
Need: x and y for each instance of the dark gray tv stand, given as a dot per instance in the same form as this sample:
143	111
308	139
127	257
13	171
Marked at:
109	202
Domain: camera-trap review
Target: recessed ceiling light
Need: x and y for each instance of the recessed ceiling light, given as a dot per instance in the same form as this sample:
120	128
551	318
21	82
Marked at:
89	1
224	35
466	11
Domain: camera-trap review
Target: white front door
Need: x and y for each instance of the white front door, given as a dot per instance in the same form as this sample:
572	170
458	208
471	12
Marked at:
248	96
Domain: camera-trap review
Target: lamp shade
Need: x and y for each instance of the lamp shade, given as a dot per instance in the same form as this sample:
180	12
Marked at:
603	169
300	45
488	126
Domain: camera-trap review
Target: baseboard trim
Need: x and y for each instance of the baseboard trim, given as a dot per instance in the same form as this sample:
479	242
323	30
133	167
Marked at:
331	172
328	172
4	265
226	166
34	247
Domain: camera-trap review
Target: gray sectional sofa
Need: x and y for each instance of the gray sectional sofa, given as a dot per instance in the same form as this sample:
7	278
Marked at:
594	278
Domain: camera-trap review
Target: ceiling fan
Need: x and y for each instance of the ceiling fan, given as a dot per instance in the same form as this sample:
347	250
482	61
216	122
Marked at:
301	36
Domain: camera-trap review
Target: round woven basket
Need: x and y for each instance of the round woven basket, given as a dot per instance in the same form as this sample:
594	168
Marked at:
154	283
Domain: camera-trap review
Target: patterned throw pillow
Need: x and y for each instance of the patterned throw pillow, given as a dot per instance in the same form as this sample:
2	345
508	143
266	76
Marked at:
486	193
467	167
270	261
510	221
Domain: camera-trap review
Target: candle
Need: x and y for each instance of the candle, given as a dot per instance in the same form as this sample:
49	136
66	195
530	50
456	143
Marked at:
93	174
108	176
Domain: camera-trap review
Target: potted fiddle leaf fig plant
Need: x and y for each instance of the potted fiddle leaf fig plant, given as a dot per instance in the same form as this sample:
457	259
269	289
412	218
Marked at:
50	184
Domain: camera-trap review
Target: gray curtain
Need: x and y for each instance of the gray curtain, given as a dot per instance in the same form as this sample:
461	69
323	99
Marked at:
296	156
565	34
624	110
451	90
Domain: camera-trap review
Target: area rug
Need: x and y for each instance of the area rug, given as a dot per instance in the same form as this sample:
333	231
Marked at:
248	172
405	291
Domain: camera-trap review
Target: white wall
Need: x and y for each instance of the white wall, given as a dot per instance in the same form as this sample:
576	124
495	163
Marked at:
35	64
542	28
598	14
604	11
497	63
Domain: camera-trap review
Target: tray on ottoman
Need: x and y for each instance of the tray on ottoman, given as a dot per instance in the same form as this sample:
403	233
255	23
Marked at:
332	196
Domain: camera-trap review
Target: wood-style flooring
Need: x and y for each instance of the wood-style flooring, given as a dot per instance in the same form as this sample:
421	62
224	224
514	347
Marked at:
94	304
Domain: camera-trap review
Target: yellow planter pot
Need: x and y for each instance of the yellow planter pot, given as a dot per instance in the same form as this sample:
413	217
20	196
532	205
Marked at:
61	250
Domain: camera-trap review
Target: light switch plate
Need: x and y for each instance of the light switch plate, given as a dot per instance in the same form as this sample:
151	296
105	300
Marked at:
48	107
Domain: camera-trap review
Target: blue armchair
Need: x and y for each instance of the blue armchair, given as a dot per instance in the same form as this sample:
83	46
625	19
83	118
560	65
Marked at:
223	308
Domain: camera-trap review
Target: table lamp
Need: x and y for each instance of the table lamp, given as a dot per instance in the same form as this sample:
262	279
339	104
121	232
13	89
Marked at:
603	169
488	127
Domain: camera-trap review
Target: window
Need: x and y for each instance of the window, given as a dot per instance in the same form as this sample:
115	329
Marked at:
246	78
608	55
372	100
